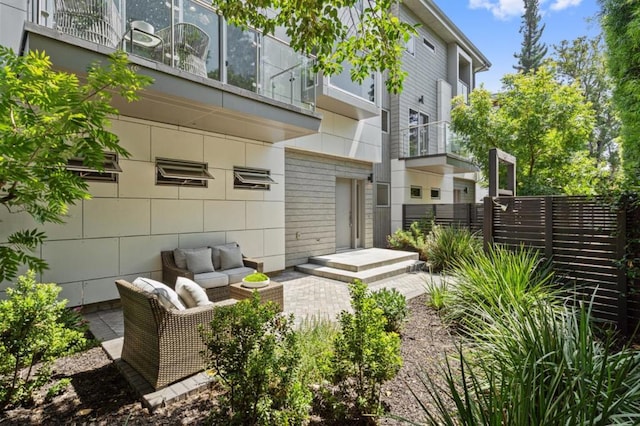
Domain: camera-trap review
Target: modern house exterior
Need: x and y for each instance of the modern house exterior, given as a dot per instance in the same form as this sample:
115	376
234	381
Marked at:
422	160
236	140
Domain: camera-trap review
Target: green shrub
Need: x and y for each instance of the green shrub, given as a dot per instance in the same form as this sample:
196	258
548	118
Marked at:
438	294
72	319
412	240
32	336
316	349
394	308
365	354
540	365
447	245
255	353
490	284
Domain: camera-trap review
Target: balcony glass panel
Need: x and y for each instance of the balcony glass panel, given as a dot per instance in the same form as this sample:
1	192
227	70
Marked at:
366	90
415	139
463	90
185	34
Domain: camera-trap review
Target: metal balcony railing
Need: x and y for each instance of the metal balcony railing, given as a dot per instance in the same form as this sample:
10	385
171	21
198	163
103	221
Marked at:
186	34
431	139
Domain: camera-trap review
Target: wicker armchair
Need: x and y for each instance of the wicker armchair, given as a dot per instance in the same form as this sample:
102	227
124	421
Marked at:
97	21
162	345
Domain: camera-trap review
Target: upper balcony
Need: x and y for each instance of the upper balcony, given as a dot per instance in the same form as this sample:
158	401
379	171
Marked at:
338	93
433	147
208	75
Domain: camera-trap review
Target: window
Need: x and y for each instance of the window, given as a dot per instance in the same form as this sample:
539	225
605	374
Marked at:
418	133
109	172
435	193
248	178
410	46
384	118
416	191
382	195
182	173
429	45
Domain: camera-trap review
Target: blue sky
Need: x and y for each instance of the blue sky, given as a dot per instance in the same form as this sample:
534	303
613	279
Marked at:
492	25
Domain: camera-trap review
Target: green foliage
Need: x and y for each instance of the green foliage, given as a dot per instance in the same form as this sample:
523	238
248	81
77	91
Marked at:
316	349
32	336
394	308
46	118
492	284
366	34
533	50
439	294
365	354
540	365
256	277
546	125
71	318
621	26
447	245
412	240
255	353
57	388
583	61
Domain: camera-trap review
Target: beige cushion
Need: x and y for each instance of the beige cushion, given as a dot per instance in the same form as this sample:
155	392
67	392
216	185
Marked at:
191	293
230	257
199	260
166	296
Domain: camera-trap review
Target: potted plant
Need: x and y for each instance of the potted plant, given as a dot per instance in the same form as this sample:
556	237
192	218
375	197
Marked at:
255	280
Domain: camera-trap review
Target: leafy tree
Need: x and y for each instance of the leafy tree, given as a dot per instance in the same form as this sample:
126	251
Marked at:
583	61
533	51
365	33
621	26
46	118
544	123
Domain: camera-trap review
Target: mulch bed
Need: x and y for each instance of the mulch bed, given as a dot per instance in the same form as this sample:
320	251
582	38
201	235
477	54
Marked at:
99	395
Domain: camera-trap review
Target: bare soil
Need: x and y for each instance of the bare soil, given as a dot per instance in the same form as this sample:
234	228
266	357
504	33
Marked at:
99	395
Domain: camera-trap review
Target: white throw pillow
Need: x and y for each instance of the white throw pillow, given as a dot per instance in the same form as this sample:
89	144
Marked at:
167	297
192	294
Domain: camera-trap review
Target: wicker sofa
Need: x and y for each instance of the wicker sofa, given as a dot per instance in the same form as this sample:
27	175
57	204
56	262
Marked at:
161	344
216	283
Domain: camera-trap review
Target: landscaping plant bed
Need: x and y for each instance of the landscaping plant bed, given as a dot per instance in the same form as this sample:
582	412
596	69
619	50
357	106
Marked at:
98	394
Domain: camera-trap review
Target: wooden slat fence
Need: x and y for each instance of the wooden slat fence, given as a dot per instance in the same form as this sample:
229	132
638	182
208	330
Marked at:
463	214
584	237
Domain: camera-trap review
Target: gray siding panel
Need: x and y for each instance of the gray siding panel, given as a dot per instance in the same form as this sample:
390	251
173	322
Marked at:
310	206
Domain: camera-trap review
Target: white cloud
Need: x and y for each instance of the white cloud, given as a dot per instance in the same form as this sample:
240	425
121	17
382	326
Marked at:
504	9
563	4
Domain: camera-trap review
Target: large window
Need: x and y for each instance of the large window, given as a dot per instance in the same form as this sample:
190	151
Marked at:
382	195
418	133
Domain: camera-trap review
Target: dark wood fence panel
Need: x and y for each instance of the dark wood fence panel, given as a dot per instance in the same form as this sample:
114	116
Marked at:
586	239
468	215
580	235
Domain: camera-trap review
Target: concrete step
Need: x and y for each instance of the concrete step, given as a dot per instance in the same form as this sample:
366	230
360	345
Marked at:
368	275
362	260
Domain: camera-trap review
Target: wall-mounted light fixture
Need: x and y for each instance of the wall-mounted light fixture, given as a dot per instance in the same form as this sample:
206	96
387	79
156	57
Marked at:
466	190
370	177
421	99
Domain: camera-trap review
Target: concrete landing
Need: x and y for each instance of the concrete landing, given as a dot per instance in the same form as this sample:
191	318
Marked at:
367	265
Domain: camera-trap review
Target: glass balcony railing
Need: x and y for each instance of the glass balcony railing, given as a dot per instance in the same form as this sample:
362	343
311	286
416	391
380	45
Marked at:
365	90
463	90
186	35
431	139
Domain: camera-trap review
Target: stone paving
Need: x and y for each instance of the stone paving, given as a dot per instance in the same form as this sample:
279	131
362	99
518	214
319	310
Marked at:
305	296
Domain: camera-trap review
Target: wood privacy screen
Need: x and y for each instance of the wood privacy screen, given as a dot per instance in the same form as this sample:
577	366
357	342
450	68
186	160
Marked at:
467	215
584	237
